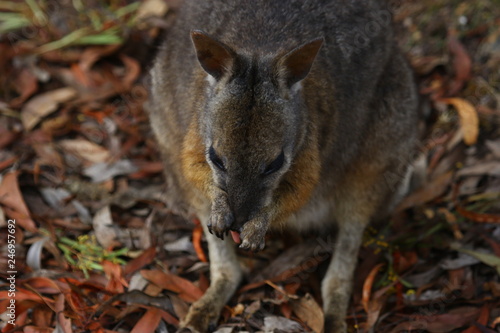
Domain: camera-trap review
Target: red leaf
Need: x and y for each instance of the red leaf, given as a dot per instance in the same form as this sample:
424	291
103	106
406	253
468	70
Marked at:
26	85
371	305
12	199
185	288
478	217
462	63
197	233
142	260
148	322
441	323
114	273
64	323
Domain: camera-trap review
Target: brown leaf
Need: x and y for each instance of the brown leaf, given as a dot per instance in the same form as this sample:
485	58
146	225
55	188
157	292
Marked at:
431	191
483	320
133	69
440	323
367	286
12	199
26	295
151	8
469	120
48	155
309	312
44	104
116	281
197	234
104	229
64	323
372	306
88	151
185	288
26	85
93	54
6	137
462	63
145	258
46	285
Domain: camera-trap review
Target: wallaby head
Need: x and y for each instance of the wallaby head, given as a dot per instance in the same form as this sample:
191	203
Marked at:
253	120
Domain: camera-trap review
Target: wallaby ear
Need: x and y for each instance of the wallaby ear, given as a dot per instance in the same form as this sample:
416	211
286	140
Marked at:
215	57
298	62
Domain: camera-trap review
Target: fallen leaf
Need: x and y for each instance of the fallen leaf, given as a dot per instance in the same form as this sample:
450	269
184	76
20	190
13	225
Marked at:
429	192
182	244
94	53
13	202
48	155
100	172
482	320
463	260
26	85
133	69
462	63
88	151
44	104
105	232
145	258
282	324
63	323
309	312
116	281
150	8
486	258
367	286
439	323
34	255
185	288
478	217
491	168
197	234
469	120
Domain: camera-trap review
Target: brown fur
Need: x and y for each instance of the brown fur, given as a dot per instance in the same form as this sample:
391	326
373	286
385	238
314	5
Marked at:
274	116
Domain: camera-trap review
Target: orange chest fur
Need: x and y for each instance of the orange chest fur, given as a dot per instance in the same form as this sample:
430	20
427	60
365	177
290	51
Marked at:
293	193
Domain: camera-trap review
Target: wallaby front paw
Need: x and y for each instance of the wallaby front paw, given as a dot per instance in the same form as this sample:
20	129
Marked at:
221	218
253	235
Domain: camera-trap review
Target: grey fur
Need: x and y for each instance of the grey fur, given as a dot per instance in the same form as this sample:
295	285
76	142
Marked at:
353	120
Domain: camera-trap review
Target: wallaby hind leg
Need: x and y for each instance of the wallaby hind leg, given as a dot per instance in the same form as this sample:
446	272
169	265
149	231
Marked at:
225	275
337	283
355	207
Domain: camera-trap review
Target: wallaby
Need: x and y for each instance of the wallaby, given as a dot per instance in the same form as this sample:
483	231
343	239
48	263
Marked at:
282	114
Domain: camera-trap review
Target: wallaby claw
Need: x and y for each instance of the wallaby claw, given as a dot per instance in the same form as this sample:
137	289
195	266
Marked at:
253	235
221	218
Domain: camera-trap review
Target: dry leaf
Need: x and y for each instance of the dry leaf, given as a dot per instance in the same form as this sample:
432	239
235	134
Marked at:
431	191
282	324
148	322
462	63
114	273
44	104
469	120
150	8
309	312
86	150
26	84
104	230
13	202
185	288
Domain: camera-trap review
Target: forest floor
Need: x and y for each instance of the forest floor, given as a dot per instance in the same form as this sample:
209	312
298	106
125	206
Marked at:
94	248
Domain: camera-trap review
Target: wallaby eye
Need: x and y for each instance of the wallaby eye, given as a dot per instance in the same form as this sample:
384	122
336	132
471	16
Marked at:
216	160
275	165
